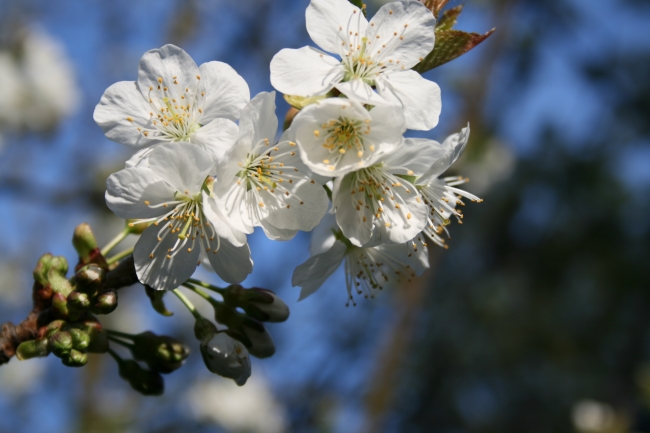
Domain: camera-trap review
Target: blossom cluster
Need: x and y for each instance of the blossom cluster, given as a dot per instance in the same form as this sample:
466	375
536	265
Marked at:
207	168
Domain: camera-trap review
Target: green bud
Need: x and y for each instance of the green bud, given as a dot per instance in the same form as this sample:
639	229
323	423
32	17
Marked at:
84	241
204	328
80	339
75	359
54	326
33	349
59	265
98	336
61	343
144	381
60	305
78	301
260	304
56	276
106	303
41	269
161	353
90	279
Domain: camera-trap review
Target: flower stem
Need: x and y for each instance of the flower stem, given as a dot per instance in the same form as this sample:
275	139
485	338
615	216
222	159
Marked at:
115	356
120	334
187	303
119	256
116	240
206	286
120	342
201	293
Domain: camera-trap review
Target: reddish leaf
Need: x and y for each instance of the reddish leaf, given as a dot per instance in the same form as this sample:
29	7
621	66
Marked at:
435	5
448	19
449	45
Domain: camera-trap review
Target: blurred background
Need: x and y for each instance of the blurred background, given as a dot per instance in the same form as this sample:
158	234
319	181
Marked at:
537	319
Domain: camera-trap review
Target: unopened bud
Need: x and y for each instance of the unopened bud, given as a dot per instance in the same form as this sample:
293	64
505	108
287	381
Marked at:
60	305
78	301
257	339
106	303
89	279
98	336
84	241
144	381
227	357
42	268
61	343
75	358
80	339
260	304
52	327
33	349
56	276
161	353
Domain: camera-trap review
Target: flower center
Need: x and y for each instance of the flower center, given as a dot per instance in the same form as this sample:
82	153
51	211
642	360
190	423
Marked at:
359	64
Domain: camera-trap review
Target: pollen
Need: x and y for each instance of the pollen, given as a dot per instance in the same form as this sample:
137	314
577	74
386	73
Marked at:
316	133
130	119
160	80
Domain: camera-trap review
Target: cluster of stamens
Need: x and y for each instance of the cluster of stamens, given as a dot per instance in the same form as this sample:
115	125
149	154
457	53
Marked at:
344	135
441	202
172	119
187	222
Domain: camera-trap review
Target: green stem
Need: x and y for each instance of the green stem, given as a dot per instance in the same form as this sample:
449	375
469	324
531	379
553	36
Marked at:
328	191
201	293
206	286
116	240
187	303
119	256
115	356
120	342
120	334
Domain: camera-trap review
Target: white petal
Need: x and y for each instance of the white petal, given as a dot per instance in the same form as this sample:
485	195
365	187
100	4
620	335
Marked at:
322	237
258	120
277	234
418	259
232	264
217	137
222	225
160	272
302	209
354	218
313	273
329	23
121	102
139	158
419	97
407	29
226	92
183	165
127	190
360	91
450	151
173	65
305	72
414	157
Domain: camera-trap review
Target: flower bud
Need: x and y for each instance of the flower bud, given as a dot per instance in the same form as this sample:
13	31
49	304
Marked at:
98	336
42	268
75	359
80	339
33	349
52	327
78	301
260	304
227	357
84	241
56	276
144	381
61	343
60	305
89	279
106	303
257	339
161	353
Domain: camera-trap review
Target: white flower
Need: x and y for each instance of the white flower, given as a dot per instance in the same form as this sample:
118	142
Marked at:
337	136
174	100
366	268
262	184
227	357
381	201
173	192
378	54
441	195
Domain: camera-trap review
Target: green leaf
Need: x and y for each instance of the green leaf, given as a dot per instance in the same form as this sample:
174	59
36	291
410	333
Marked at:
435	5
449	45
448	19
